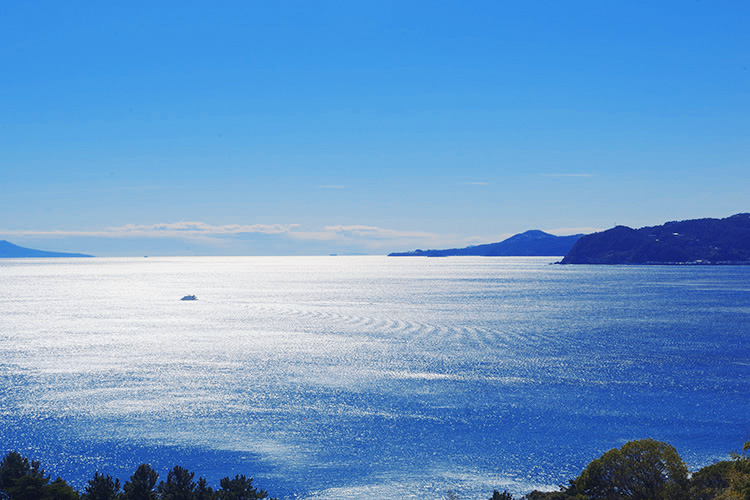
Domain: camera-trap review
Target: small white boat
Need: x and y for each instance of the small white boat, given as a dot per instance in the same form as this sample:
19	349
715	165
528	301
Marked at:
189	297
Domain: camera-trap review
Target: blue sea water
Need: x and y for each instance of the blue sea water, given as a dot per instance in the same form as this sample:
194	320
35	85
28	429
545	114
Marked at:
368	377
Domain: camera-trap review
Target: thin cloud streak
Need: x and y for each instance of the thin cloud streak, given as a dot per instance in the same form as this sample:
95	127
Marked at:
162	230
205	231
568	175
475	183
332	186
362	236
341	232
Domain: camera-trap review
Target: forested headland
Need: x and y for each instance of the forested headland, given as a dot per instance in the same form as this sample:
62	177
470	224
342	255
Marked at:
24	479
696	241
639	470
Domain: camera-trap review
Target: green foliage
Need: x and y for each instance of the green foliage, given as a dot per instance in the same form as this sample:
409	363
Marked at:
21	479
27	487
178	486
141	484
101	487
239	488
710	481
739	476
12	467
203	491
24	480
650	470
640	470
547	495
59	490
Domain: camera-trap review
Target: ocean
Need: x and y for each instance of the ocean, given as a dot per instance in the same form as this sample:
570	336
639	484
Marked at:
368	377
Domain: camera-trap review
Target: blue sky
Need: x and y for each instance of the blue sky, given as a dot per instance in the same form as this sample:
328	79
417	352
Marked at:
259	128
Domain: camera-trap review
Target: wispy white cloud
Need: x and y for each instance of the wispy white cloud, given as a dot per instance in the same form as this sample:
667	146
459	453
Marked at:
161	230
378	232
204	228
568	175
352	236
371	236
476	183
365	236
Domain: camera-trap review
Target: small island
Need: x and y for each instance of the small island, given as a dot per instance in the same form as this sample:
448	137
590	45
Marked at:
698	241
533	243
10	251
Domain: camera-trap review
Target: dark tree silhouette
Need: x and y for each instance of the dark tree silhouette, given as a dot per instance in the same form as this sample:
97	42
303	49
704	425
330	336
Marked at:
550	495
60	490
203	491
141	484
27	487
13	466
21	479
496	495
101	487
239	488
178	486
710	481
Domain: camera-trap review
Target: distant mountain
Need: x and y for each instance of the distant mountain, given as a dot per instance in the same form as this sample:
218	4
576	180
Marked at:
10	251
532	243
698	241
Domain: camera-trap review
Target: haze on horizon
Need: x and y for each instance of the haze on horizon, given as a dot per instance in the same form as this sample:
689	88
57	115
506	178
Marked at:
258	128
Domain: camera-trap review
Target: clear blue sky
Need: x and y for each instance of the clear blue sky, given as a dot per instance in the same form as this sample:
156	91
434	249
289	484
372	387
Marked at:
331	127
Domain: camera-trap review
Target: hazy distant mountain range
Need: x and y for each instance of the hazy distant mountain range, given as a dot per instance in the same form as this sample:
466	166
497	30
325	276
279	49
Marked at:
699	241
9	251
532	243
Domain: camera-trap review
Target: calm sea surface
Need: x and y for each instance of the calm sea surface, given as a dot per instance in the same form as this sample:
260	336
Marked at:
368	377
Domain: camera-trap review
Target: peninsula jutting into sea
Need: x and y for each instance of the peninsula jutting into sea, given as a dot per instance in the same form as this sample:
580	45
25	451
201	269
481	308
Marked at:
10	251
533	243
697	241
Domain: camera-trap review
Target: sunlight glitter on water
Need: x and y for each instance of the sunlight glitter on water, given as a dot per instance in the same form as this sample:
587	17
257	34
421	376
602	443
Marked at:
325	375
